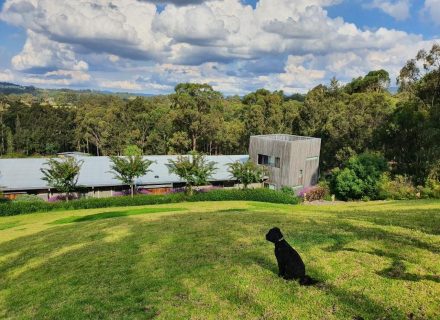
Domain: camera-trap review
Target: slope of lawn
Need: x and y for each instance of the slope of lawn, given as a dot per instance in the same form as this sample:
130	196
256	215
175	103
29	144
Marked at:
376	260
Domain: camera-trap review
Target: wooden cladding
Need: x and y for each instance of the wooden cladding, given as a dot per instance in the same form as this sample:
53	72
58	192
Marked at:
290	160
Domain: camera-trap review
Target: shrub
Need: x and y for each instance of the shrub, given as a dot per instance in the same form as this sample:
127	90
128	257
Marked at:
431	189
399	188
314	193
262	195
3	199
28	198
359	179
287	190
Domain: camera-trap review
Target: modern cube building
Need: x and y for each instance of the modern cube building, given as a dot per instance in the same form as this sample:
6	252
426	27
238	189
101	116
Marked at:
291	161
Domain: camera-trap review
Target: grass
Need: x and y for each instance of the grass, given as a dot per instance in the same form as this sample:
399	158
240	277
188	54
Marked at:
376	260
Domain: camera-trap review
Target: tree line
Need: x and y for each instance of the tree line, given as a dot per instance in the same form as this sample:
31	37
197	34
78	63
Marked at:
349	118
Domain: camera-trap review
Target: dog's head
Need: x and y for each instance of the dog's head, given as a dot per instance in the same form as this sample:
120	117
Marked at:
274	235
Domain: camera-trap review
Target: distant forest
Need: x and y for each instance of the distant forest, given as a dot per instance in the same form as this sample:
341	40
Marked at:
352	118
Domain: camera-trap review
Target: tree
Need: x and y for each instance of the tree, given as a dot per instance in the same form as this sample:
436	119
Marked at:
127	169
62	174
246	172
374	81
132	150
194	104
195	169
415	125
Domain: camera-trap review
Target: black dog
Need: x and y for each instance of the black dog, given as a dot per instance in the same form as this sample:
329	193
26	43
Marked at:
290	264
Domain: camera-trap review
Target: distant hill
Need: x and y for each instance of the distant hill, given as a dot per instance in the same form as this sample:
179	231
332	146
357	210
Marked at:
12	88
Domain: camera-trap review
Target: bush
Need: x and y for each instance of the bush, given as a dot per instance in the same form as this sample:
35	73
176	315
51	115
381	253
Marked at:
431	189
315	193
3	199
359	179
287	190
399	188
262	195
28	198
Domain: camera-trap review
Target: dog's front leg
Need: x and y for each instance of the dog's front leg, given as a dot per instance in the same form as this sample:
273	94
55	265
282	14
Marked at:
281	268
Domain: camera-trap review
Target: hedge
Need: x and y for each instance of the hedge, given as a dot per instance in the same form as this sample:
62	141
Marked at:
263	195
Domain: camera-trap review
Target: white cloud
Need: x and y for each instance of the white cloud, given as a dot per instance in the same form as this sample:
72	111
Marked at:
432	9
233	46
398	9
58	78
42	53
6	76
125	85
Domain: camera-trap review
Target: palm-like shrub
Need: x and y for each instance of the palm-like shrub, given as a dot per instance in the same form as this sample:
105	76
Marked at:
62	174
127	169
195	169
246	172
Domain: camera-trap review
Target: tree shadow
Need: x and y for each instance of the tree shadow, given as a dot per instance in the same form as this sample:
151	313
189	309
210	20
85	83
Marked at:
114	214
397	271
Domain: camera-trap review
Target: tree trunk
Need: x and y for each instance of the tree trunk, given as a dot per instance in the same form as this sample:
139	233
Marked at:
194	143
189	190
132	190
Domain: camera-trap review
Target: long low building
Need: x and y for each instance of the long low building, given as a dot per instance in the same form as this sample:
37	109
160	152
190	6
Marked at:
291	161
19	176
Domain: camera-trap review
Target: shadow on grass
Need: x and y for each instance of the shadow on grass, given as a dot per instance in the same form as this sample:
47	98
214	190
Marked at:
114	214
397	271
237	210
426	220
9	225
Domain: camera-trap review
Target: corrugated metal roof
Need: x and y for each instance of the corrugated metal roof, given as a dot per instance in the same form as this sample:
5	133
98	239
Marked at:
25	174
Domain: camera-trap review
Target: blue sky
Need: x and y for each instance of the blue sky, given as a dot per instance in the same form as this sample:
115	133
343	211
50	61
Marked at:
236	46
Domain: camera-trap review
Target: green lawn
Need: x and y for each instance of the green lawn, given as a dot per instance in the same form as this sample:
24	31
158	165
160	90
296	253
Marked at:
377	260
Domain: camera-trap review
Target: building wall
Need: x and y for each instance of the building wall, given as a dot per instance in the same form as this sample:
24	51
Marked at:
299	159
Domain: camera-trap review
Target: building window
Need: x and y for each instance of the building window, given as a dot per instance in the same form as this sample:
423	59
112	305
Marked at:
270	161
262	159
277	162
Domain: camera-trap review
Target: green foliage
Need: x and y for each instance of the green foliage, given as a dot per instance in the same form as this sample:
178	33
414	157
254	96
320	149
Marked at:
127	169
28	198
132	150
374	81
431	189
262	195
62	174
399	188
287	190
194	169
359	178
246	172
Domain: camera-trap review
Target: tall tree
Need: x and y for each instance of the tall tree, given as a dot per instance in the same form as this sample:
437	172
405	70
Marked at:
194	104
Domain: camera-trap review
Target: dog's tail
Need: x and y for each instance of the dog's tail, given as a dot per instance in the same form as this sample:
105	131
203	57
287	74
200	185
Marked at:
307	281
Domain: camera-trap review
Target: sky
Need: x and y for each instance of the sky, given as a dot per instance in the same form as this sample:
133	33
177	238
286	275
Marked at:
236	46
